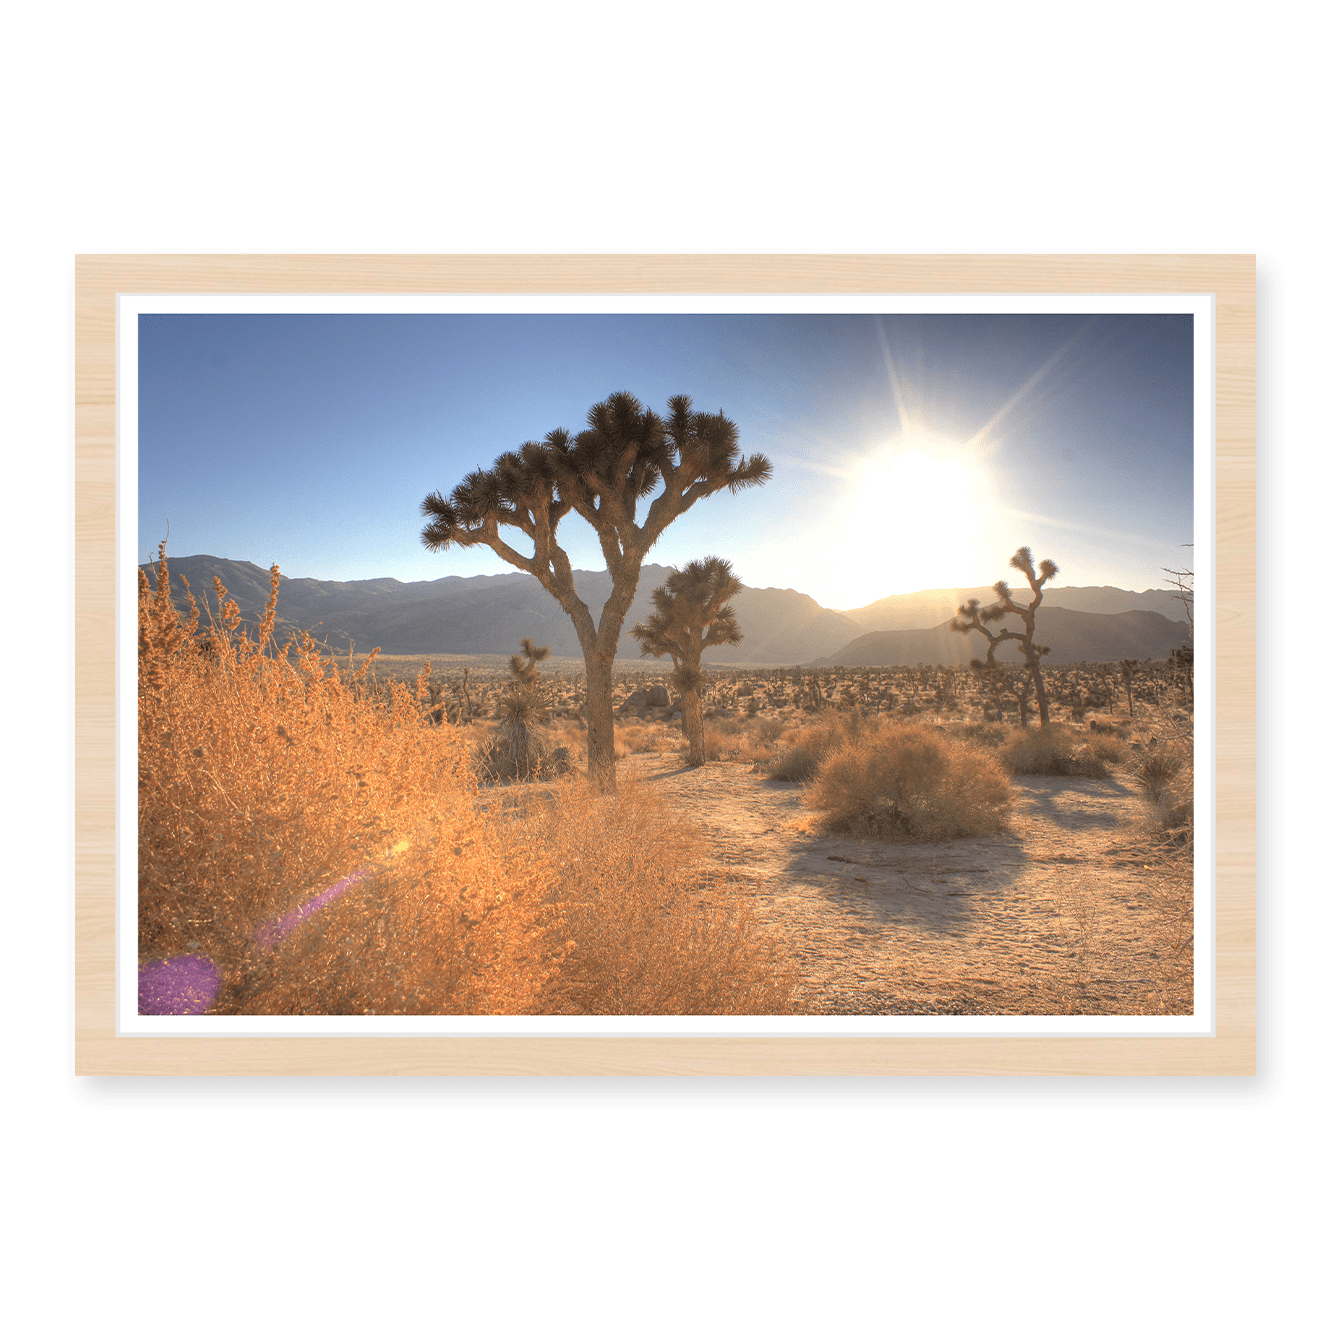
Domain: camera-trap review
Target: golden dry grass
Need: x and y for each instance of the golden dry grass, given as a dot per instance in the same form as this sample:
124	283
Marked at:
641	930
267	777
264	780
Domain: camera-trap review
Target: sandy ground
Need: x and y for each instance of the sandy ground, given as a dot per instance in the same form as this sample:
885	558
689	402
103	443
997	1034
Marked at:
1070	912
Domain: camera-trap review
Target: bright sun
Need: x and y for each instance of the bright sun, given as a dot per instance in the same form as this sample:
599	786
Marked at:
912	522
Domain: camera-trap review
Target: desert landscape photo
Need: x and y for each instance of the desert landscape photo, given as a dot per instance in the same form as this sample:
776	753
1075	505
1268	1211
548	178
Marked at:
650	664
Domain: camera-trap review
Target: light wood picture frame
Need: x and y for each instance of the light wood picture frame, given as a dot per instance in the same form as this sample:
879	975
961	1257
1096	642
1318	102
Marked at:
1229	1050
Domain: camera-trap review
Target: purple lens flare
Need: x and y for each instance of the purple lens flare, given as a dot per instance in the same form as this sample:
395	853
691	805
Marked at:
269	934
188	985
178	986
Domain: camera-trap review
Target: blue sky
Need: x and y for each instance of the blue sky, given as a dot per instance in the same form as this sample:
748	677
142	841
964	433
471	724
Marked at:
909	450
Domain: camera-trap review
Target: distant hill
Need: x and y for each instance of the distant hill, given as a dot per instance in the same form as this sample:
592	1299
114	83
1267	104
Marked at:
1070	636
490	615
926	609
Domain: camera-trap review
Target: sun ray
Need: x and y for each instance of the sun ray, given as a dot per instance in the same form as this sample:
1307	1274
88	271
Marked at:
1106	533
897	394
789	459
976	441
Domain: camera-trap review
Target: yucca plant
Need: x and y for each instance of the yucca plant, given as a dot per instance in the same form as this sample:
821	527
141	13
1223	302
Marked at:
521	708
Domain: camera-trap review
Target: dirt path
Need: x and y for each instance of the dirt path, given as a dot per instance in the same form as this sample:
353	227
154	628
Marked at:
1064	914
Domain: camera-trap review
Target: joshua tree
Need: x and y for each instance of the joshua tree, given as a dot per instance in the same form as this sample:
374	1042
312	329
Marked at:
970	618
602	475
692	613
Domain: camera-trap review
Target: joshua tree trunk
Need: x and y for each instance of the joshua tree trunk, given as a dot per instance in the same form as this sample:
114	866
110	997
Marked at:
692	727
1040	695
600	722
520	750
1023	704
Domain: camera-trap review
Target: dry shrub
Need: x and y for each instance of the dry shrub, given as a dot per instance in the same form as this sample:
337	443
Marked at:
265	780
1056	751
909	782
1108	748
764	729
802	758
728	726
1157	771
719	747
642	932
1166	777
758	740
985	733
722	737
642	736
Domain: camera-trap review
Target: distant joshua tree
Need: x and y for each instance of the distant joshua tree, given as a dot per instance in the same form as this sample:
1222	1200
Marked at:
692	613
1128	668
602	474
970	618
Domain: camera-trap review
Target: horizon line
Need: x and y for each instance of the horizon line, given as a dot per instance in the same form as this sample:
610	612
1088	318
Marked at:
519	572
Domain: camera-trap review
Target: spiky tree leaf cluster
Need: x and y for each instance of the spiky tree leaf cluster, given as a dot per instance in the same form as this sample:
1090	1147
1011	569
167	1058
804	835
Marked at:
692	613
605	475
523	664
971	617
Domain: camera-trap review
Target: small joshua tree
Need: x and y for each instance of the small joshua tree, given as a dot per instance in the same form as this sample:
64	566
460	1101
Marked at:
692	613
462	691
603	474
520	708
1128	668
1000	681
970	618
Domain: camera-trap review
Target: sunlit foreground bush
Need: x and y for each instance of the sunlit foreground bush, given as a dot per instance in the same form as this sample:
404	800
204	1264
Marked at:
643	933
911	782
266	781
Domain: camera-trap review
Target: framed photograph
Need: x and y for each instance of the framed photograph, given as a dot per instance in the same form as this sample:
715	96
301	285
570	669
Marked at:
665	665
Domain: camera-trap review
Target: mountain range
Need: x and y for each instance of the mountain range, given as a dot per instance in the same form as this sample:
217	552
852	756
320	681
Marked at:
488	615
